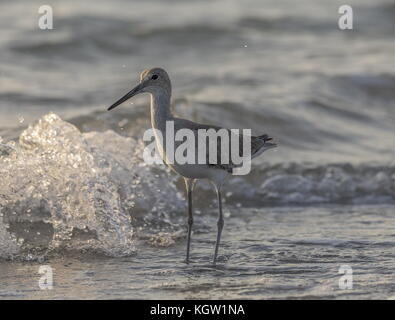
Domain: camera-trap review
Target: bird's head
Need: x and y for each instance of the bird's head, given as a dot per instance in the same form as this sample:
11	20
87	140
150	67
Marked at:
154	81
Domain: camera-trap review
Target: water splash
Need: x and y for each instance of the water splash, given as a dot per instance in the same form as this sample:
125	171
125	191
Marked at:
66	190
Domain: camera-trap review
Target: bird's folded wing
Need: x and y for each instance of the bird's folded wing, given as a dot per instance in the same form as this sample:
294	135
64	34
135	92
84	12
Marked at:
218	159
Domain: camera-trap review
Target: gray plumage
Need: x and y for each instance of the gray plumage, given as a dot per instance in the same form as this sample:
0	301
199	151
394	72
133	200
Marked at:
157	83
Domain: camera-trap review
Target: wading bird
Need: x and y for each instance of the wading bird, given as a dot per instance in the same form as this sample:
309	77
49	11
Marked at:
157	83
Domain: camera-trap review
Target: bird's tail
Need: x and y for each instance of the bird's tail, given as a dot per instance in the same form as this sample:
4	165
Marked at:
265	137
266	144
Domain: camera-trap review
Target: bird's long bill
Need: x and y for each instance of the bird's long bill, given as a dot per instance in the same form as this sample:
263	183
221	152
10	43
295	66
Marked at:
127	96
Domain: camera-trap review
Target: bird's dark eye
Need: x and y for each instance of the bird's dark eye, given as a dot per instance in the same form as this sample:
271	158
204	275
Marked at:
154	77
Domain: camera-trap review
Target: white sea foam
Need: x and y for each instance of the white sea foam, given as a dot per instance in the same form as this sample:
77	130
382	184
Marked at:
65	190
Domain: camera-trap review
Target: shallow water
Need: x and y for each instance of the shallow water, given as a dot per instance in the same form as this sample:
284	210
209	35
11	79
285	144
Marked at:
272	253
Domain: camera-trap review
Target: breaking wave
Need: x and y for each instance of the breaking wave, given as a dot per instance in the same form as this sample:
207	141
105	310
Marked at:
65	190
304	184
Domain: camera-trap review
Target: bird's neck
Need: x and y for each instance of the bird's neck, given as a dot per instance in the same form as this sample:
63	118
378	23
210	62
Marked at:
160	109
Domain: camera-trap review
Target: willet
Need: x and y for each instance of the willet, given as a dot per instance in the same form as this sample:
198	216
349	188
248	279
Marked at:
157	83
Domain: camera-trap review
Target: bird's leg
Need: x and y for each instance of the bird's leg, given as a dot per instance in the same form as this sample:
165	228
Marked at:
189	183
220	223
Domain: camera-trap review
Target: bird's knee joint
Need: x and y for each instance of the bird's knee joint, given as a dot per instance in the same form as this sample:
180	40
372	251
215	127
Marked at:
220	223
190	221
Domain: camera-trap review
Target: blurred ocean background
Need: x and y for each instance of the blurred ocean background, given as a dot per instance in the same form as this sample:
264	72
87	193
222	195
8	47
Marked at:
76	194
